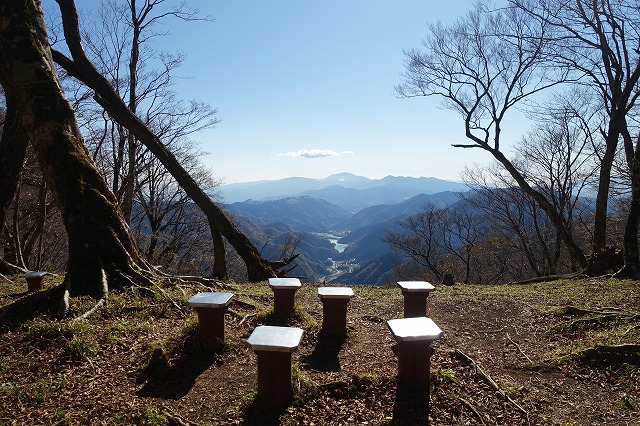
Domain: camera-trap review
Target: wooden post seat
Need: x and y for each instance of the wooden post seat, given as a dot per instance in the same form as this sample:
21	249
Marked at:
284	291
274	347
211	308
334	309
34	280
415	295
414	337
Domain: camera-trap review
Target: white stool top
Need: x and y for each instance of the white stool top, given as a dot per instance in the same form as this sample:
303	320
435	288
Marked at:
210	300
414	329
416	286
335	292
276	339
284	283
34	274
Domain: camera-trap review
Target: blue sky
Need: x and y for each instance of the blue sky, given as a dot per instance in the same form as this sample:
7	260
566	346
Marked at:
306	88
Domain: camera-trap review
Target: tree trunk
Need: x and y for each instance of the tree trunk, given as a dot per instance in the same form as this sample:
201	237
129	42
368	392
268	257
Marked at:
604	183
631	254
13	150
101	250
258	269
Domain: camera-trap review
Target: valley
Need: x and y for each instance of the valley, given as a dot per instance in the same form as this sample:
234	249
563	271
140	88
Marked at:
339	232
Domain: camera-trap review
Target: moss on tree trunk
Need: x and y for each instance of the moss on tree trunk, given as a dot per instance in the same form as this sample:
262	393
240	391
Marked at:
101	248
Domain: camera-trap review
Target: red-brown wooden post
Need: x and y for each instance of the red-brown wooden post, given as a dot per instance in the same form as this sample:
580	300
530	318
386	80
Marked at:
274	347
211	308
415	294
334	309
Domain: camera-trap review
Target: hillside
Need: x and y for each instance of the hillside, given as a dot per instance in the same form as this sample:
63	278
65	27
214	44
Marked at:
305	214
139	362
269	223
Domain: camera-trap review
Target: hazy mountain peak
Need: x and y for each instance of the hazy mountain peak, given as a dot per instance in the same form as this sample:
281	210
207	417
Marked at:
346	190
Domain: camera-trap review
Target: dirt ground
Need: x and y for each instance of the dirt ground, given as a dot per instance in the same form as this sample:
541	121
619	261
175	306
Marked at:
139	361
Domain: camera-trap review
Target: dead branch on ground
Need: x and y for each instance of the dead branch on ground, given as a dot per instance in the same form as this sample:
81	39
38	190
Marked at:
473	409
519	348
467	360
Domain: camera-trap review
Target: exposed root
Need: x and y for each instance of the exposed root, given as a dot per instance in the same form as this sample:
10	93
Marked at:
550	278
575	311
235	313
245	318
174	419
207	282
611	351
63	305
6	279
597	316
245	304
10	268
100	304
30	306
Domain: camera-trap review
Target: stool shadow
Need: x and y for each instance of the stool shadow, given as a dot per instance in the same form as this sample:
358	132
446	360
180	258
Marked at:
325	354
411	407
257	414
174	382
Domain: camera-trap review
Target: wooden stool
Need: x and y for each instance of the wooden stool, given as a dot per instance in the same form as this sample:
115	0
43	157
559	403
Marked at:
34	280
334	309
284	291
273	347
415	295
211	308
414	337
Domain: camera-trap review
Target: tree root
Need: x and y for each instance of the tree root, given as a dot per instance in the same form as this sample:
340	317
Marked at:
467	360
246	304
611	351
175	420
6	279
549	278
100	304
598	316
10	268
246	317
575	311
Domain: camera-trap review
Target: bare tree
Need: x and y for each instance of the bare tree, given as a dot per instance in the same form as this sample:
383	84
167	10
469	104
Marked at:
463	231
600	40
421	239
80	67
482	67
102	253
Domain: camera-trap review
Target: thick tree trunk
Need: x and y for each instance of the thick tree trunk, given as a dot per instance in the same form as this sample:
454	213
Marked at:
219	257
13	150
604	182
258	269
101	249
631	253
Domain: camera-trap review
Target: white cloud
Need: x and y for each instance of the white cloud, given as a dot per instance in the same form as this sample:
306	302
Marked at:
314	153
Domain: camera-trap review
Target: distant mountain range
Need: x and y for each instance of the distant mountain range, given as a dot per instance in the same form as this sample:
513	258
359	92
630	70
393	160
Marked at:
314	221
350	192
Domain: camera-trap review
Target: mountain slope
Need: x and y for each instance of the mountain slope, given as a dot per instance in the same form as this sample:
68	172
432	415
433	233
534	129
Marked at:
382	213
300	213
